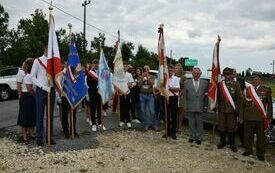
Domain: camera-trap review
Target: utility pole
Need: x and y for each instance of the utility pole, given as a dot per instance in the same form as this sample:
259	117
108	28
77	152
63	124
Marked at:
84	4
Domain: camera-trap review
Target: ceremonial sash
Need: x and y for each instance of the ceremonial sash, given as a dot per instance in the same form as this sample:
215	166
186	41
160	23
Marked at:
257	102
70	74
226	94
93	75
41	63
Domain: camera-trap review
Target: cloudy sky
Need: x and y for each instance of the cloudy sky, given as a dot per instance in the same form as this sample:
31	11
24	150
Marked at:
247	27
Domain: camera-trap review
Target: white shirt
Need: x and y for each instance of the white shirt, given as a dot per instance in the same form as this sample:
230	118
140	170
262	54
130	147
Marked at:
38	72
129	78
174	82
20	76
194	83
27	80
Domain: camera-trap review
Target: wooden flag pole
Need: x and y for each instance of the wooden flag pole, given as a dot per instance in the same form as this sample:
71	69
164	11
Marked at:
101	115
49	120
72	123
166	119
213	137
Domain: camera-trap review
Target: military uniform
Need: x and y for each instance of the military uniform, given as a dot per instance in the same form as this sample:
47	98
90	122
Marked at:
253	121
227	114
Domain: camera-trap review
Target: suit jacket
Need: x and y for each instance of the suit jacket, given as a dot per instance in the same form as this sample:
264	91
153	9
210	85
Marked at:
195	101
250	111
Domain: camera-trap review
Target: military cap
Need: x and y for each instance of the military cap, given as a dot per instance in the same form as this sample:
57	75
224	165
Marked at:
256	73
227	71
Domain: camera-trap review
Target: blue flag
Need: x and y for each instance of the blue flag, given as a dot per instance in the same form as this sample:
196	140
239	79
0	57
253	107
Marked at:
105	85
74	86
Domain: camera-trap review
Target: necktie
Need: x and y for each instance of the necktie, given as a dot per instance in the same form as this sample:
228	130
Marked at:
196	86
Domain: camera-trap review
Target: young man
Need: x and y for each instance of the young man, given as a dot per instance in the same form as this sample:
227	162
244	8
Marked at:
39	79
195	103
257	115
229	102
95	98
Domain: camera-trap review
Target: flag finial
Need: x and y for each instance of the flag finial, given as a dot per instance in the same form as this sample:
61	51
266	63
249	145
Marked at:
118	35
51	6
219	38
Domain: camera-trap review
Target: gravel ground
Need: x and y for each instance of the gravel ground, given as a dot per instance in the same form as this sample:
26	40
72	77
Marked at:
128	151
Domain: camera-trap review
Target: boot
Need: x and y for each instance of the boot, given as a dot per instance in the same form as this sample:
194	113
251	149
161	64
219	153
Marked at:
232	142
222	141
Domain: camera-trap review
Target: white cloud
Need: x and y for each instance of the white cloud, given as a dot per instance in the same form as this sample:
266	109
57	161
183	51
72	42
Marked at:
191	27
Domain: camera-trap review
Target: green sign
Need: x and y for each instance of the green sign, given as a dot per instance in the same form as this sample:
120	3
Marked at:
191	62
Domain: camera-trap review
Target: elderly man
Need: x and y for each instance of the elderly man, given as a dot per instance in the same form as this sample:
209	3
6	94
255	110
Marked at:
256	117
195	103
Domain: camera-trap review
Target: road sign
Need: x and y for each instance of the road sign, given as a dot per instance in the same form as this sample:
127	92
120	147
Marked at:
191	62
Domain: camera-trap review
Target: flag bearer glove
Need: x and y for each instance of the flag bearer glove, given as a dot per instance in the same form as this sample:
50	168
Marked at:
46	88
59	101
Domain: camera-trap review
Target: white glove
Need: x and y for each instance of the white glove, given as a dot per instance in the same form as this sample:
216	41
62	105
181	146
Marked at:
46	88
59	101
87	97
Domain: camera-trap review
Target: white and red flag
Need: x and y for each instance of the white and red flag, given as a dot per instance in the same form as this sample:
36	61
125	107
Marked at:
54	67
215	76
163	69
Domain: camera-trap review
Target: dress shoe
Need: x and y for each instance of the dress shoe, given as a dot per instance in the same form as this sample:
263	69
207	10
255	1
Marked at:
52	142
164	136
221	145
261	158
146	128
198	142
191	140
76	135
174	137
40	143
246	153
233	148
155	128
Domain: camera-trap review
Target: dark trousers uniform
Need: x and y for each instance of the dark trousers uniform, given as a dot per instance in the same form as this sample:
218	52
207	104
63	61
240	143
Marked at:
124	102
250	127
172	113
95	104
66	108
227	122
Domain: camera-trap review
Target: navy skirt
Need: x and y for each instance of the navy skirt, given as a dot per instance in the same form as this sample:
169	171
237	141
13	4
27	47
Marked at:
27	111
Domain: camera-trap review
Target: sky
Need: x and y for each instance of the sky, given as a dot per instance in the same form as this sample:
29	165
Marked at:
246	27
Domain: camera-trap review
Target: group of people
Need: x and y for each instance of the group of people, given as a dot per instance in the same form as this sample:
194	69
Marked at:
146	103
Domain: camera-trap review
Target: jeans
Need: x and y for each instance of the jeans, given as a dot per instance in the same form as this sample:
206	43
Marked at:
41	99
147	109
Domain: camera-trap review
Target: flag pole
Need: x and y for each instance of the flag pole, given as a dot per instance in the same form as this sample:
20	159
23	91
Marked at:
72	122
49	97
166	119
213	137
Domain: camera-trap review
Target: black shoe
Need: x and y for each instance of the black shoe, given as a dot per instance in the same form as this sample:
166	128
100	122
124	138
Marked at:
40	143
233	148
76	135
174	137
66	135
52	142
146	128
221	145
261	158
155	128
246	153
198	142
191	140
31	138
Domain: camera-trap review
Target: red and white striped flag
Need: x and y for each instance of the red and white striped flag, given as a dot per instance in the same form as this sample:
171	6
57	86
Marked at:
215	76
163	70
54	67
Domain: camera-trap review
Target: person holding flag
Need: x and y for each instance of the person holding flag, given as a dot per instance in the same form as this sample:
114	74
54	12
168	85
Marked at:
74	90
257	114
105	86
229	102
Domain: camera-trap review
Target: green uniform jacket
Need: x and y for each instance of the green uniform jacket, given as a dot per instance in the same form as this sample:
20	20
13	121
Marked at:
235	91
251	113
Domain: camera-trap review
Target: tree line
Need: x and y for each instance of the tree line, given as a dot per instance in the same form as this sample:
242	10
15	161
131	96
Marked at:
31	33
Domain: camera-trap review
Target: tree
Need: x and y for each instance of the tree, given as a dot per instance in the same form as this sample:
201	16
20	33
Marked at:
4	33
126	51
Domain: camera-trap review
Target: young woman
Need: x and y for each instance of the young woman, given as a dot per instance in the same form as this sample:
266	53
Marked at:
27	112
